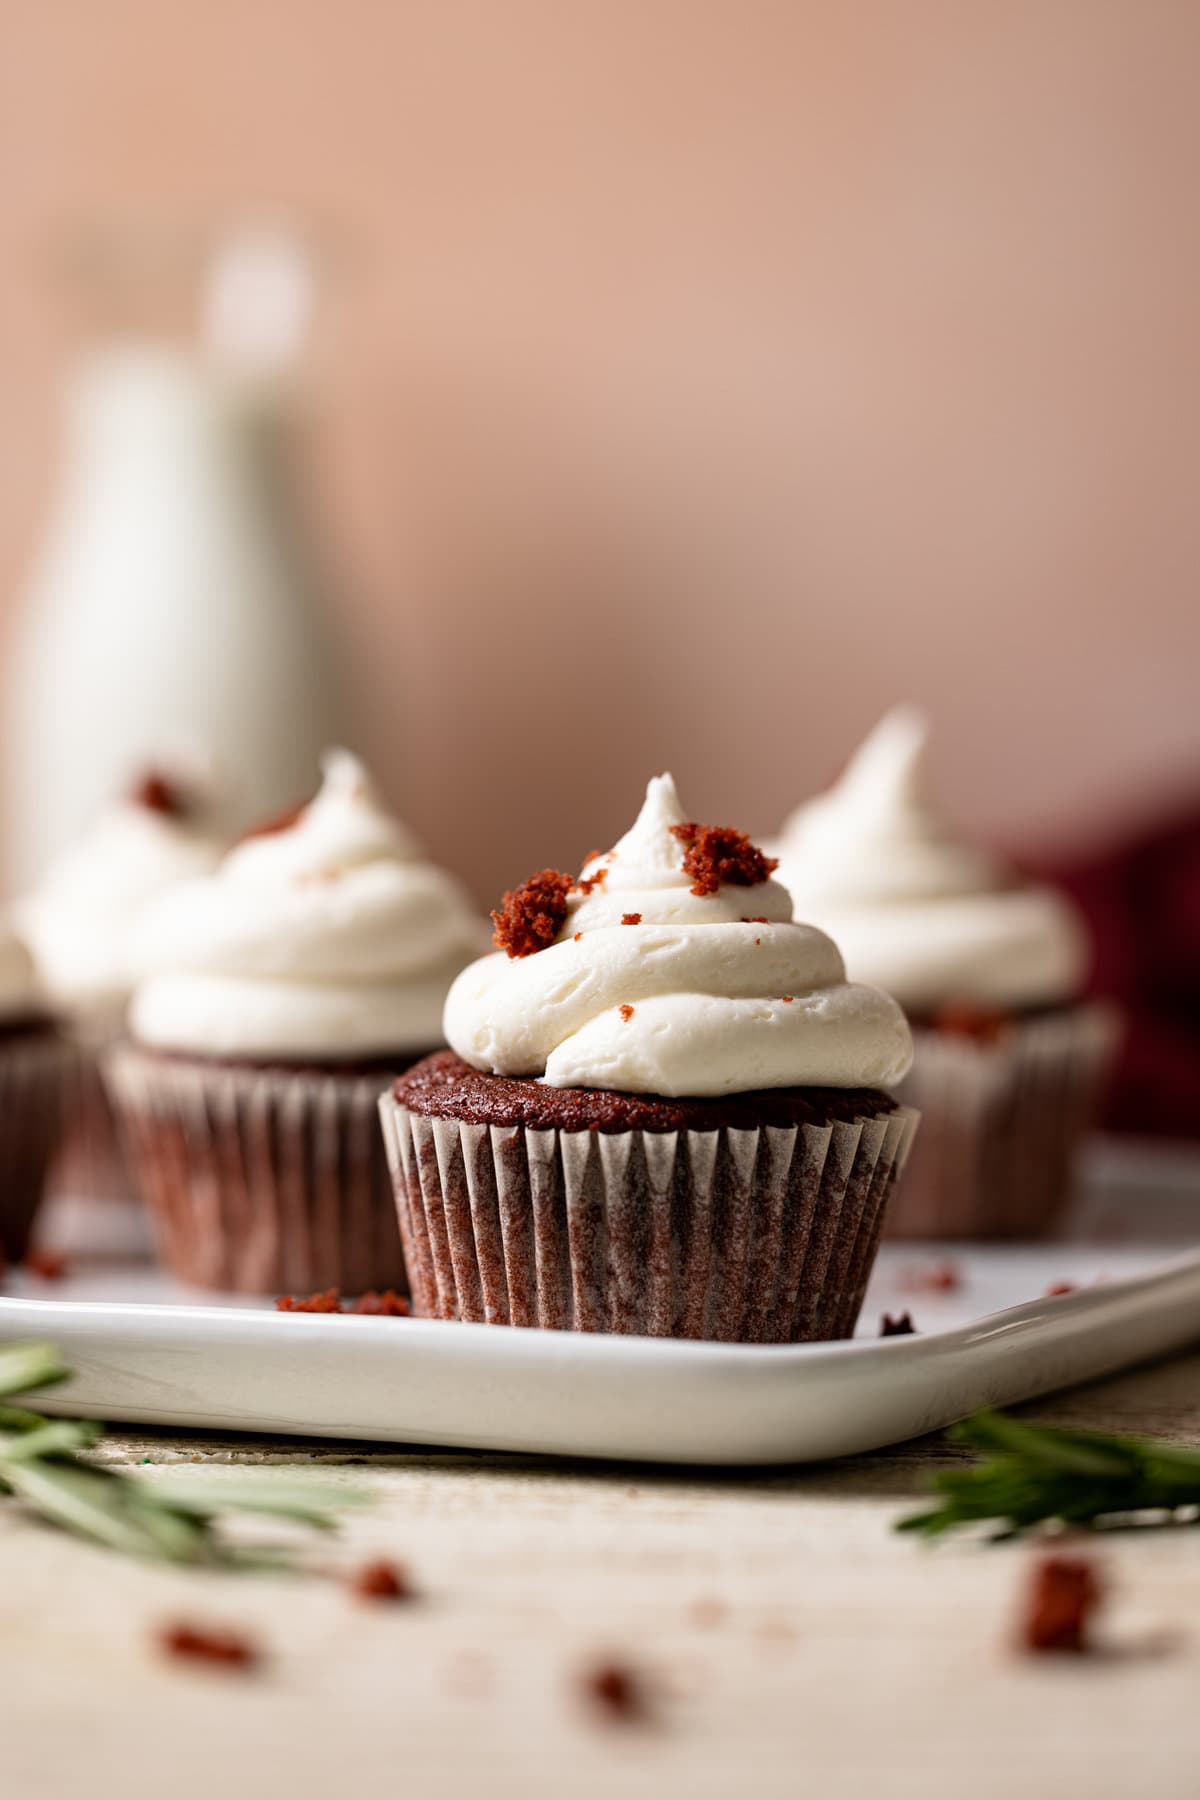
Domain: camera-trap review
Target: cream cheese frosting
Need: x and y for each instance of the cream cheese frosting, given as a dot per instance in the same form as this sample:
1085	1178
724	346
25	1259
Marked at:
84	920
931	918
699	995
330	939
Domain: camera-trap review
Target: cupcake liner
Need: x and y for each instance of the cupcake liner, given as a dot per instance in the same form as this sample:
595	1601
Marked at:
260	1180
35	1077
1000	1124
92	1164
758	1236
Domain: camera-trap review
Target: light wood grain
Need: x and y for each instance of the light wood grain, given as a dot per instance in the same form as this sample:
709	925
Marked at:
843	1660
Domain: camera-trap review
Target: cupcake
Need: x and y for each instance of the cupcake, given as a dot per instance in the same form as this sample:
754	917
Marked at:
280	995
36	1063
662	1111
84	923
988	967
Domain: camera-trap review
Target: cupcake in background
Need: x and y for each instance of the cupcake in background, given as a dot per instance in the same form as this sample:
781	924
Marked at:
36	1062
662	1110
989	968
279	996
84	922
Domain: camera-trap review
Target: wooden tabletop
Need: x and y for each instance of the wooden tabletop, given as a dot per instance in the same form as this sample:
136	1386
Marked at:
789	1642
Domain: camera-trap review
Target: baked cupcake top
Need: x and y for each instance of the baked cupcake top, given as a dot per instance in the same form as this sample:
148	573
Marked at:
84	919
670	966
323	937
914	907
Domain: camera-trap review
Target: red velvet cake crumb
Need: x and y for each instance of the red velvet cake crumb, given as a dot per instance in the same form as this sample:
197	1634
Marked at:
328	1301
965	1018
716	854
755	919
936	1278
203	1643
388	1304
593	881
578	935
381	1580
626	1011
631	918
787	999
1058	1288
616	1691
158	794
1063	1596
532	915
47	1265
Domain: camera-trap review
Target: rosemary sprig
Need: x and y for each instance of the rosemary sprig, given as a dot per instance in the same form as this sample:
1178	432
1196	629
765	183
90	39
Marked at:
43	1464
1031	1474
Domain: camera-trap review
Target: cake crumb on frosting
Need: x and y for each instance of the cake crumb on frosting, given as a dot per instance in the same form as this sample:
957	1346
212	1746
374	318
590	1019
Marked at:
631	918
593	881
158	794
532	915
716	854
626	1011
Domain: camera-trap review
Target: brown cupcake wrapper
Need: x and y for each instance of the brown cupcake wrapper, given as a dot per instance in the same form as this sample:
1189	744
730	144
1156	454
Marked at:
1000	1125
91	1163
761	1236
260	1181
35	1082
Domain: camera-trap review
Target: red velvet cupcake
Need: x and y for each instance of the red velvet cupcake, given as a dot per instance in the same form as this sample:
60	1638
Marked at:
663	1109
284	993
83	923
1008	1063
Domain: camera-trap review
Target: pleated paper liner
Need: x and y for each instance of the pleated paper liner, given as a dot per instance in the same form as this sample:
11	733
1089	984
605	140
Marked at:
1000	1125
758	1236
91	1163
260	1181
36	1076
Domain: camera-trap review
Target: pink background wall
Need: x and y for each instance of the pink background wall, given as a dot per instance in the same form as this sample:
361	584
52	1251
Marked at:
700	378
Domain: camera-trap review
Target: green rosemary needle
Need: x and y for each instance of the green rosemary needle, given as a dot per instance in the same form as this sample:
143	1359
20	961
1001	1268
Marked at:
43	1465
1032	1474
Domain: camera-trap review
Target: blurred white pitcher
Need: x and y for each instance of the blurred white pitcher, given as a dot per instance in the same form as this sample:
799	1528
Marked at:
170	616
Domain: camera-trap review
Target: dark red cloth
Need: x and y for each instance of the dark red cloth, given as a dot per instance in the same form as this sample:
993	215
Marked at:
1142	900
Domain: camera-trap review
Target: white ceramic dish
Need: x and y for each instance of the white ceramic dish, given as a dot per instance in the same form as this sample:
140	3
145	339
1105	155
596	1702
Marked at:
156	1357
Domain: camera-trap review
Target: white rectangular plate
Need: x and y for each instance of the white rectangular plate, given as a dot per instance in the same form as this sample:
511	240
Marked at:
145	1351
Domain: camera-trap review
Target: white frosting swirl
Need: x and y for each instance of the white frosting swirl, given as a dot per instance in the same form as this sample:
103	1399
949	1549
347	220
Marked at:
84	920
21	995
695	998
331	939
929	917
